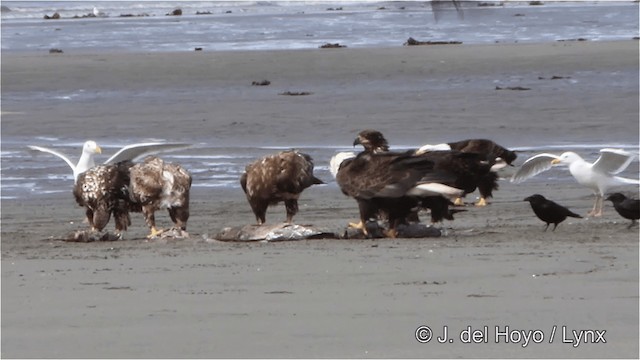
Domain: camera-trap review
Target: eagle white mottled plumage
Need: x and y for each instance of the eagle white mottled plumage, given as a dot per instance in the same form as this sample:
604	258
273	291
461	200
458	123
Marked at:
157	184
102	191
280	177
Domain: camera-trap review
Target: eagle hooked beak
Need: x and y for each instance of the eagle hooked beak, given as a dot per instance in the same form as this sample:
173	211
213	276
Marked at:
357	141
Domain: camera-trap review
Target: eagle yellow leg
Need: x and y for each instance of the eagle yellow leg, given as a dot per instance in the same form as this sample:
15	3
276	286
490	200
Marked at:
458	202
392	233
360	226
154	232
482	202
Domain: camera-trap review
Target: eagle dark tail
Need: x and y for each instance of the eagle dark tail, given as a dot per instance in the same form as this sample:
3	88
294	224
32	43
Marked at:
439	207
121	215
487	184
449	216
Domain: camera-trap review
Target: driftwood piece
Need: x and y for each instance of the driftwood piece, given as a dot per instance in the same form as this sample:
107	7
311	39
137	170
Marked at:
296	93
411	42
520	88
332	46
261	83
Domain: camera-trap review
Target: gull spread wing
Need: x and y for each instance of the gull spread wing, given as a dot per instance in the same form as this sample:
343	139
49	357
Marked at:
133	151
613	161
56	153
534	166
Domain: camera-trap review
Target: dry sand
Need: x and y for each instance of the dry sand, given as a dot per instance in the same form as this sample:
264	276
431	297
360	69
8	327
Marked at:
327	298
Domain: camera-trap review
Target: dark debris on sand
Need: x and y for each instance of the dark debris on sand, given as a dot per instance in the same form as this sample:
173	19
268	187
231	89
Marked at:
412	42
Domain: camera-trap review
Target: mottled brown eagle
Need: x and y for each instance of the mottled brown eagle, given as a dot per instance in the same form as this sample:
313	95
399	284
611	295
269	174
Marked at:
102	191
156	184
275	178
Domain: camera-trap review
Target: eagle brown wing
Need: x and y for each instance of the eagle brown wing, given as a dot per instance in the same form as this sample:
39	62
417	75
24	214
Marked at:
157	184
146	181
101	190
279	177
468	170
382	183
370	175
486	147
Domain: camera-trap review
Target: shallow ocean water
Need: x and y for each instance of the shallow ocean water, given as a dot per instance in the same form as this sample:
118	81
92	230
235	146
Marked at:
26	172
258	25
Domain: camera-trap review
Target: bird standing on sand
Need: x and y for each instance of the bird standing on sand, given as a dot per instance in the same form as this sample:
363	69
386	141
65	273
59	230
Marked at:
275	178
101	190
599	176
549	211
155	184
627	208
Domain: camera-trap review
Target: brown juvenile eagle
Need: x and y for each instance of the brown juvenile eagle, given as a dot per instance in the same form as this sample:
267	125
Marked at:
156	184
275	178
102	191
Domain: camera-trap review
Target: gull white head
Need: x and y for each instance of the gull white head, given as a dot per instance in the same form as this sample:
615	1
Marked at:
86	162
567	158
91	147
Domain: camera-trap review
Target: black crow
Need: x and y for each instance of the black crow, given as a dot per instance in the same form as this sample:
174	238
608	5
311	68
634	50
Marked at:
627	208
549	211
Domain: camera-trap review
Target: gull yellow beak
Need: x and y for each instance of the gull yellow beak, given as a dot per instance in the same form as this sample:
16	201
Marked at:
555	161
98	149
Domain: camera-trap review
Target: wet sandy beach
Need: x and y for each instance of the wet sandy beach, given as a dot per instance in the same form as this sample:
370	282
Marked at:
325	298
